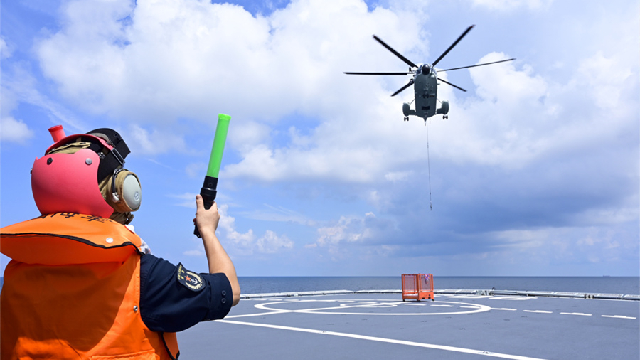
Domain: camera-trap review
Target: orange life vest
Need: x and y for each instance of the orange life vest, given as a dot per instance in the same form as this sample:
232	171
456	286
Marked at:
72	291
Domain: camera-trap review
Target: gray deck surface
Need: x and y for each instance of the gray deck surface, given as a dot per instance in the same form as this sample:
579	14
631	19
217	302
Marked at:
454	326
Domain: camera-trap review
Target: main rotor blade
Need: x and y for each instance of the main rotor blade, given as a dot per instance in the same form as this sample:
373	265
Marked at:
395	52
402	88
455	86
452	45
470	66
362	73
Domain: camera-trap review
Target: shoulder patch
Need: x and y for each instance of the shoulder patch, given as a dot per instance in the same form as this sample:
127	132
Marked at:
189	279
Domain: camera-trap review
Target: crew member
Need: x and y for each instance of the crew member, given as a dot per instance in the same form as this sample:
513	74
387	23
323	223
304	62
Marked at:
80	283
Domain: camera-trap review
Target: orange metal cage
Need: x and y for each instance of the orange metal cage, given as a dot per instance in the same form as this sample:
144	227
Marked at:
417	286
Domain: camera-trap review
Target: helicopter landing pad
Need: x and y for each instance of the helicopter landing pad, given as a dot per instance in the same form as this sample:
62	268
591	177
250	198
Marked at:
382	326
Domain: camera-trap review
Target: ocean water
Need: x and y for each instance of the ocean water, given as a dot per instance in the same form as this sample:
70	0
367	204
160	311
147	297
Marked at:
605	285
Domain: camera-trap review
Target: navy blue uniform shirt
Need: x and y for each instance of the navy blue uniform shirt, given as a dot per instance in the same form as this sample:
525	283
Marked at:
174	299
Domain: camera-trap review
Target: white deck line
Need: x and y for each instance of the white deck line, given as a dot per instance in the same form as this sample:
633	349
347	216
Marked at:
385	340
539	311
480	292
574	313
620	317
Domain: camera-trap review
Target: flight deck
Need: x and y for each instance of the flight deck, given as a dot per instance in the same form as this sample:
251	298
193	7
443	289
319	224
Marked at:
462	324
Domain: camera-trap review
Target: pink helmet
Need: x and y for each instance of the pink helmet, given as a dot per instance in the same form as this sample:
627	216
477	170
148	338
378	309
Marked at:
68	182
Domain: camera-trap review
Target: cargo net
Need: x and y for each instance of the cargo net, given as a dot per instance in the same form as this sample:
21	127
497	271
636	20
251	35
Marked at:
417	286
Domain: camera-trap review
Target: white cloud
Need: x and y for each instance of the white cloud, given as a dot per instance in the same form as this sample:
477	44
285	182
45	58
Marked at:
396	176
170	59
279	213
566	244
503	5
141	141
247	243
5	51
194	58
504	83
355	238
347	229
18	85
503	124
611	216
373	197
196	170
249	135
238	243
605	78
12	130
491	129
271	242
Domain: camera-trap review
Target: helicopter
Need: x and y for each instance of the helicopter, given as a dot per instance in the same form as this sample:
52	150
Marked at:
425	80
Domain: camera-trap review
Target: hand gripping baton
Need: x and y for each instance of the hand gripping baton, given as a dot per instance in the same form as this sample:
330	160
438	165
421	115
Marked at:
208	190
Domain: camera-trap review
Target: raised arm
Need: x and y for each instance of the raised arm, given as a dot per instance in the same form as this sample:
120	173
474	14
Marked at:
219	261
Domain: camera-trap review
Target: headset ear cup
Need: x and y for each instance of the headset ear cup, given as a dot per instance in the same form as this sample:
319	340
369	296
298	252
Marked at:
132	192
129	192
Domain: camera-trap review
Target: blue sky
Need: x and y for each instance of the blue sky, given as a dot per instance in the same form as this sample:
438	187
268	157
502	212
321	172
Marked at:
534	173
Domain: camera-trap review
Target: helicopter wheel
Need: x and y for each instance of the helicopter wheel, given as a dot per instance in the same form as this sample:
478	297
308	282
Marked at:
445	116
406	118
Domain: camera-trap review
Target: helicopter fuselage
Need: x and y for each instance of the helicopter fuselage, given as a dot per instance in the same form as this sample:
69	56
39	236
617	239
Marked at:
425	85
426	92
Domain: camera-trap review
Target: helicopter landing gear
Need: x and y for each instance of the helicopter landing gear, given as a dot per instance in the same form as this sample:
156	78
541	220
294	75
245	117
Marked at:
406	118
445	116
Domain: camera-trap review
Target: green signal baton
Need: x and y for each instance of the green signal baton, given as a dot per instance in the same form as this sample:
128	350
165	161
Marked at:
208	190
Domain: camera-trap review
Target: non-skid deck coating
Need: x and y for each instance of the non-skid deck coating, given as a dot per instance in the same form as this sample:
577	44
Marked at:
454	326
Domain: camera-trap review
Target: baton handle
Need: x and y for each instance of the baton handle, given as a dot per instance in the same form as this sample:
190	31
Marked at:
208	193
